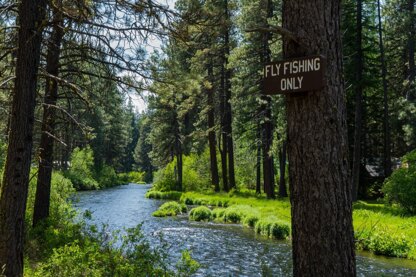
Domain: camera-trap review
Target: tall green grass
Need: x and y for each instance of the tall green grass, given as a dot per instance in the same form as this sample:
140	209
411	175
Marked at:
378	228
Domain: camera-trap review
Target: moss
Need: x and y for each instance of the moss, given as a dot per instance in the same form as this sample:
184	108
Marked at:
201	213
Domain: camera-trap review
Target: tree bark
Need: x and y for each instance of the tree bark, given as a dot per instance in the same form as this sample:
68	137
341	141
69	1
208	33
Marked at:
228	108
223	135
215	179
19	153
282	171
267	126
411	51
43	188
258	161
386	125
356	162
320	188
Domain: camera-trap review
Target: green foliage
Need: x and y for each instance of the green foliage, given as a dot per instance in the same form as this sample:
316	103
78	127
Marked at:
67	246
167	195
107	177
171	208
61	190
186	265
194	178
384	243
273	228
81	169
400	187
97	255
201	213
218	214
136	177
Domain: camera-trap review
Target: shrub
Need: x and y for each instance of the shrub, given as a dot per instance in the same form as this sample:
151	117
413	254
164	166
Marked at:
400	187
381	242
201	213
61	190
251	219
272	228
81	169
218	214
95	255
169	195
195	176
238	213
107	177
171	208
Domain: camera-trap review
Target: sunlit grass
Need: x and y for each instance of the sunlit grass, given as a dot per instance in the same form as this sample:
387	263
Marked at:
378	228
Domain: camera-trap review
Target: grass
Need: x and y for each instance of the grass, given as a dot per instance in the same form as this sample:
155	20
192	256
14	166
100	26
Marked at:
378	228
171	208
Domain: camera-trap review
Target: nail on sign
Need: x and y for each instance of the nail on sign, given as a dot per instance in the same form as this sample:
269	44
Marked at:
294	75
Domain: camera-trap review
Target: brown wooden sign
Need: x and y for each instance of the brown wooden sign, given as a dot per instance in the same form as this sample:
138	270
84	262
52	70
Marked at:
294	75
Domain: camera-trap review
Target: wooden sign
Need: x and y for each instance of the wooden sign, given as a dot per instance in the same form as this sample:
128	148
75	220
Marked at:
294	75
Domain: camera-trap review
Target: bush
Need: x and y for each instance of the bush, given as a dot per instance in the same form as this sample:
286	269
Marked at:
251	219
81	169
195	176
237	213
171	208
201	213
107	177
272	228
168	195
218	214
400	187
96	255
61	190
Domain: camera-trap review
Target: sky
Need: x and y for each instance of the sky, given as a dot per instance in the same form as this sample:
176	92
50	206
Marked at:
154	44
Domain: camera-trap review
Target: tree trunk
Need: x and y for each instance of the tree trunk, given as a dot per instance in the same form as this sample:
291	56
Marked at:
267	126
258	162
386	125
228	108
320	188
282	170
215	179
411	51
223	135
179	164
356	162
43	189
19	152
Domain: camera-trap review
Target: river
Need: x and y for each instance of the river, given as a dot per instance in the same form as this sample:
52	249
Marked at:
221	249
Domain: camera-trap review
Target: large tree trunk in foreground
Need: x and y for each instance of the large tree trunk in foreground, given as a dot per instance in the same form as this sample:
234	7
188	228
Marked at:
16	173
320	188
43	188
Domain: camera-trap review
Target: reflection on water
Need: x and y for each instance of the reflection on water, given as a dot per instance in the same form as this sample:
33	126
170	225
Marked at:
221	249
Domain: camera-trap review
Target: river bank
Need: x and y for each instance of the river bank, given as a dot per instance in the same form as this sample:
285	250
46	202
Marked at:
379	229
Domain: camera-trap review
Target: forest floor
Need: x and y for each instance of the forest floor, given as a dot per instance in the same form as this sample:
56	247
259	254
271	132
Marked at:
378	228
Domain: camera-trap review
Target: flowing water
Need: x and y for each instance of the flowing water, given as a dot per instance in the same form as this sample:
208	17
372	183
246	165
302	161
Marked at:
221	249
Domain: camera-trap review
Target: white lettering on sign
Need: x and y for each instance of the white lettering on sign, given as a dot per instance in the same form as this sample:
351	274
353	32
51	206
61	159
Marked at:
294	75
293	67
292	83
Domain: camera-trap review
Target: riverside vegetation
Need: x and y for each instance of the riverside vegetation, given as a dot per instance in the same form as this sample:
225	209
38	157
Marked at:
69	245
383	226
